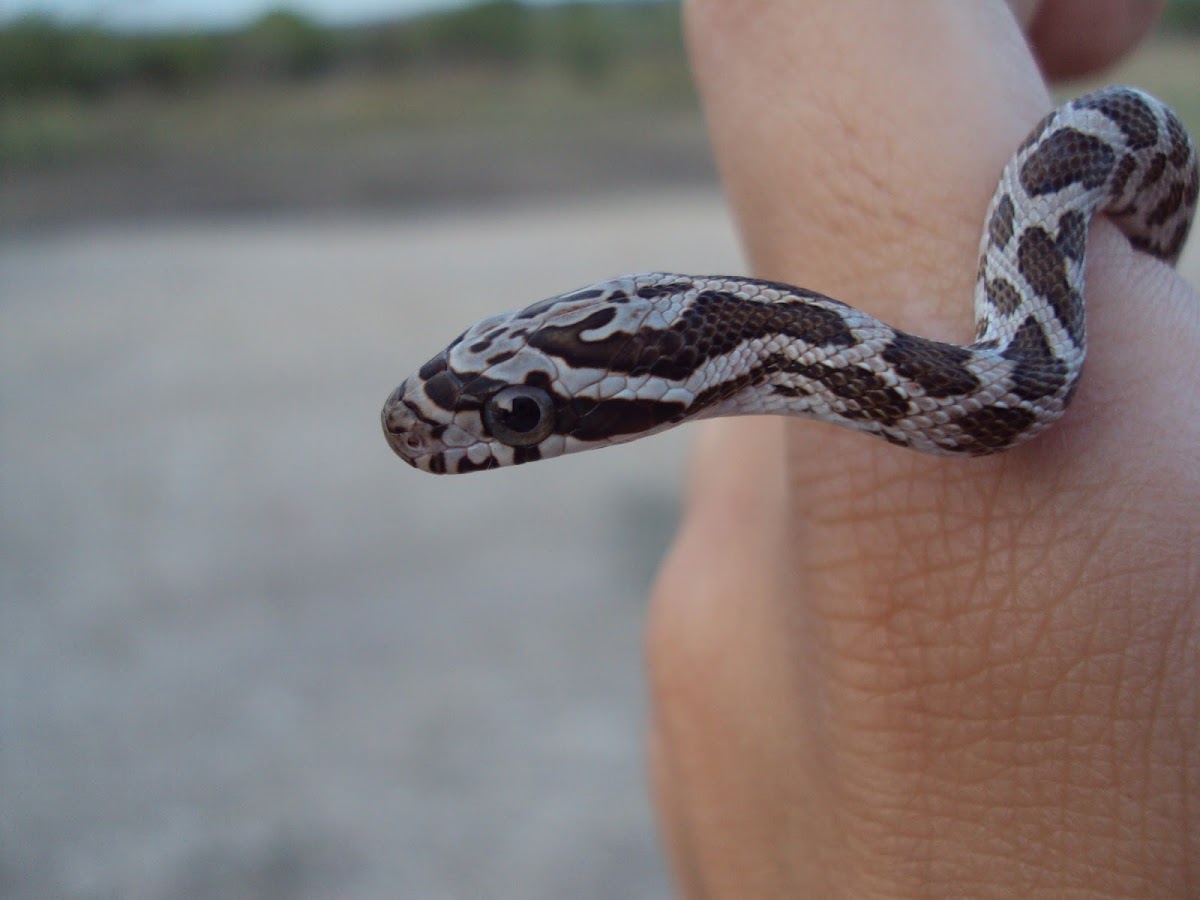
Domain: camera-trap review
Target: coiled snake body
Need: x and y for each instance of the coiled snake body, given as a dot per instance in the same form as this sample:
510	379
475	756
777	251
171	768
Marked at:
636	355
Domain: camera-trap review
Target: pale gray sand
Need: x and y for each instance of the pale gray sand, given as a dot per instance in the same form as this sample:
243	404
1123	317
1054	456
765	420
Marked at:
245	651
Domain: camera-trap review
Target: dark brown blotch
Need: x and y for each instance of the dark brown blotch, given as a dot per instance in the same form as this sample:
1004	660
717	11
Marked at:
538	378
477	389
1044	267
616	352
502	356
1154	171
1037	372
867	396
1067	157
1129	112
992	428
788	390
1146	245
431	368
1003	295
1177	138
1072	235
1174	245
597	420
444	389
526	454
715	323
465	465
939	369
1170	203
453	392
1000	228
485	341
1123	171
1167	249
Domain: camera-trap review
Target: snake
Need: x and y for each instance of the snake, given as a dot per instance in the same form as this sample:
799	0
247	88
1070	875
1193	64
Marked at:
633	356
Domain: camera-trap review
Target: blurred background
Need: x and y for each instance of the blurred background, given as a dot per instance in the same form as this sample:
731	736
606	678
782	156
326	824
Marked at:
244	651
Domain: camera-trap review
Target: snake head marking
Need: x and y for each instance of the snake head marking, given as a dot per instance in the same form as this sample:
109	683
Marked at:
560	375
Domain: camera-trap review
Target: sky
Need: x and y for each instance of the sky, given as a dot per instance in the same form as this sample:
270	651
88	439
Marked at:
151	14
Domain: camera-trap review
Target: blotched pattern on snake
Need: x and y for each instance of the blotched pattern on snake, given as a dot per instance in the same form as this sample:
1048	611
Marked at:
636	355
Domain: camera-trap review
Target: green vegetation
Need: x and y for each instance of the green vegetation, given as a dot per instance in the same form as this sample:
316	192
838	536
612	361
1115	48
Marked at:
73	93
1182	17
40	58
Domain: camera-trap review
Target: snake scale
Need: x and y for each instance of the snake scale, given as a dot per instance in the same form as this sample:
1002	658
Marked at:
633	356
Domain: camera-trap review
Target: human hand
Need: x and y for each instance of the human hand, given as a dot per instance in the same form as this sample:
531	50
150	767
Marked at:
881	674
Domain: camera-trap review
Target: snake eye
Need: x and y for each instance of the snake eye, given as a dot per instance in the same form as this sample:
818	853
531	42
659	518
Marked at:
519	416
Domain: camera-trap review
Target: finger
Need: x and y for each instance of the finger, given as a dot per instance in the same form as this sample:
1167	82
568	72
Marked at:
1074	38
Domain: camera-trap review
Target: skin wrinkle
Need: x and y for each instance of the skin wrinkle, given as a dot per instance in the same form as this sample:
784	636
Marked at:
885	620
1162	714
912	526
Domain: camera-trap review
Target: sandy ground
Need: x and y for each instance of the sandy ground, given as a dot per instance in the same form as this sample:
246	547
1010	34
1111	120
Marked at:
245	651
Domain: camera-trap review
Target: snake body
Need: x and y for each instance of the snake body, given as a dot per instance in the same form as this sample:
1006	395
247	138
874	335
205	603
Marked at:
636	355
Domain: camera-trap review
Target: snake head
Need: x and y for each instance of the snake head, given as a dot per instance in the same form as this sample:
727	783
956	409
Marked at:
575	371
453	417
